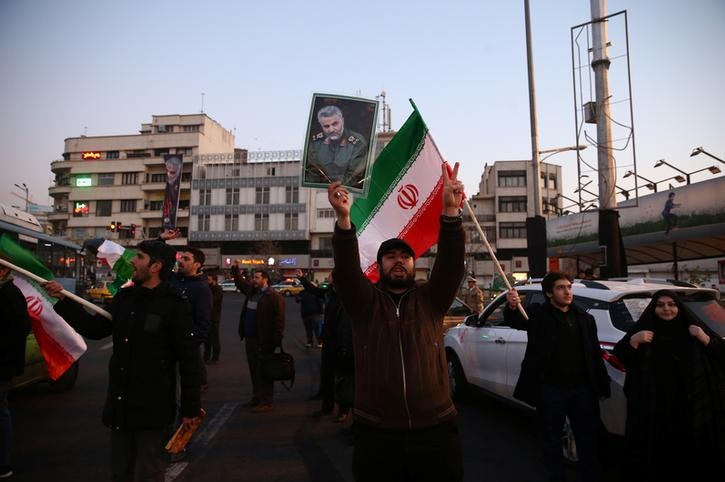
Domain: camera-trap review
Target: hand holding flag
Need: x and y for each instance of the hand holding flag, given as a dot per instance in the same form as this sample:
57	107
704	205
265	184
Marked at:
339	199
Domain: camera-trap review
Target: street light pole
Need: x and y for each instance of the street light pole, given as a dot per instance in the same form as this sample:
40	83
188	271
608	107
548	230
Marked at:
663	162
700	150
536	224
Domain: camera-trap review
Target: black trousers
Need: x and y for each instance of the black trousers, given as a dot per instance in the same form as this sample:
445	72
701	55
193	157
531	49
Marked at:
581	406
427	454
138	455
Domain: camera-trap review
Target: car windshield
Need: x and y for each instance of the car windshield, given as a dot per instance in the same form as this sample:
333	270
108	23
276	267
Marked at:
711	311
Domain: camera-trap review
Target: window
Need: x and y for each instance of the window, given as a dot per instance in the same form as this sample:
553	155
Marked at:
291	221
512	230
128	205
161	152
158	177
106	179
103	208
203	222
191	128
552	181
156	205
261	222
326	213
512	179
136	154
80	209
185	177
232	196
205	197
186	151
270	171
112	154
231	222
184	203
512	204
129	178
291	194
325	243
261	195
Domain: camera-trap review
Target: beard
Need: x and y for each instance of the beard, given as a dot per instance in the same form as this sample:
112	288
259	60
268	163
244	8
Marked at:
397	283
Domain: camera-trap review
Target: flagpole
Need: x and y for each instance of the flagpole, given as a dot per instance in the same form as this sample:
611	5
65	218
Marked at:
493	256
67	293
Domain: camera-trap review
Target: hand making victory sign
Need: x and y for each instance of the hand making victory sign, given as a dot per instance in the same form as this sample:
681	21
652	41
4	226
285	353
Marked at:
452	191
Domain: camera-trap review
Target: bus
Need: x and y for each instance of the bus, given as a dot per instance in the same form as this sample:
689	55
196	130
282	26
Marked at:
64	258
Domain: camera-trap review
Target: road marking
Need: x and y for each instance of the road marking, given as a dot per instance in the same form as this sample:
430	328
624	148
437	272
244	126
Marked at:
106	346
174	470
204	436
210	430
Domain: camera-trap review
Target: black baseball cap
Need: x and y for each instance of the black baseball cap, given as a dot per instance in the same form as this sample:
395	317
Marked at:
394	243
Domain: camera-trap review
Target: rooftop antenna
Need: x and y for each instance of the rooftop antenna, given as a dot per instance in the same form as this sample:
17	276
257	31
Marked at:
202	102
385	115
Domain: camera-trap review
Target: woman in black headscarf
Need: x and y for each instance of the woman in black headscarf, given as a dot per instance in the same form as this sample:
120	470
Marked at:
675	389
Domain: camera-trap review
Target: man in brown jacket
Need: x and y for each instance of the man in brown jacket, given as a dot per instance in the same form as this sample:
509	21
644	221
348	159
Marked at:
261	325
404	419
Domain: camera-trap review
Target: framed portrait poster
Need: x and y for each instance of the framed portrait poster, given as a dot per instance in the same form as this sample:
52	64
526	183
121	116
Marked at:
174	164
340	142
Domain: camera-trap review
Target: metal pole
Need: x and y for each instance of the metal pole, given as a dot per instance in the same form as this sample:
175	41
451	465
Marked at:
535	225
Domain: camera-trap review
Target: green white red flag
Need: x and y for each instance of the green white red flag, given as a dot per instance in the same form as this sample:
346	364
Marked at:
405	196
59	344
119	259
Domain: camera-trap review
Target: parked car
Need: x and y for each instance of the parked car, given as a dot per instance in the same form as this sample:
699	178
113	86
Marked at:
456	314
289	287
485	353
100	292
228	285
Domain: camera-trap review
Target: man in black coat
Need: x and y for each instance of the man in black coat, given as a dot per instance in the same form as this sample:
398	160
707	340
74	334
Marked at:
152	330
14	328
562	374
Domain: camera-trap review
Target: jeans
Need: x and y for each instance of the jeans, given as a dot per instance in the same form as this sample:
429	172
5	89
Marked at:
581	406
6	425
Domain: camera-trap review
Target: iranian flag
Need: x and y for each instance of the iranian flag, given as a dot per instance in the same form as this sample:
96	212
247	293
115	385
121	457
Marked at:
115	256
59	344
405	195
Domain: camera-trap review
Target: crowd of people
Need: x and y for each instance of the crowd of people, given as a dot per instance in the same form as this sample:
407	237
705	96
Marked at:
383	363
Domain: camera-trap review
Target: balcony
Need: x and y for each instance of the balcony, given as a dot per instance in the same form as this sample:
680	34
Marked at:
59	189
60	166
58	216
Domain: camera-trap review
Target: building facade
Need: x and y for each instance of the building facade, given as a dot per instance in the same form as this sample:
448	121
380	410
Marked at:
502	204
104	181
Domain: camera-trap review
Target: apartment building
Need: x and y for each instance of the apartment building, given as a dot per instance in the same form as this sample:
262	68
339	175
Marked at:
120	179
502	204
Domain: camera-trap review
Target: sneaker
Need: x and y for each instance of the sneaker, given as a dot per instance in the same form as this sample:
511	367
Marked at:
6	471
262	407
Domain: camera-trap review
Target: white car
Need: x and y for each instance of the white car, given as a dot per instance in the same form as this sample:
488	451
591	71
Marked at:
228	285
485	353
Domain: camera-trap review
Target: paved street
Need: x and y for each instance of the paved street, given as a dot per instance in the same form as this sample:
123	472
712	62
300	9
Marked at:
59	436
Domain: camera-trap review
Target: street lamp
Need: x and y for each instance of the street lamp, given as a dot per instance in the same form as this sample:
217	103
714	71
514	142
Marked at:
712	169
551	152
650	184
700	150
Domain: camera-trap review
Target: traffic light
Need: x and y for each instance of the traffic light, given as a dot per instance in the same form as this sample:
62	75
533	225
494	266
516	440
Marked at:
112	226
133	230
119	226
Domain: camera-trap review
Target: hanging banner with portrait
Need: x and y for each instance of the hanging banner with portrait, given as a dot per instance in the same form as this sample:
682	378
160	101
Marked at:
174	163
340	142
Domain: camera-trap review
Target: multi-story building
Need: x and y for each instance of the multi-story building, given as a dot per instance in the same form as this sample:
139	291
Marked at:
120	179
502	204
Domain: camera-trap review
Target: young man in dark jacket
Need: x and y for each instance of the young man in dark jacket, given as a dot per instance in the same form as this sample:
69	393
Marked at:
14	328
404	419
152	331
261	327
562	373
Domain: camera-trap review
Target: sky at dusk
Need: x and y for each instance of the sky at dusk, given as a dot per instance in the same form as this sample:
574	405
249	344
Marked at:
98	67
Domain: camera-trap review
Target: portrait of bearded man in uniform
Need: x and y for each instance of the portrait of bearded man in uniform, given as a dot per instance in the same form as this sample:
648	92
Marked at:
336	152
